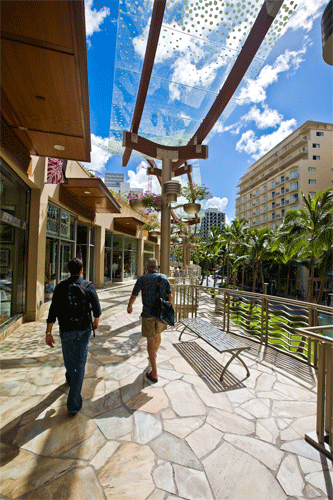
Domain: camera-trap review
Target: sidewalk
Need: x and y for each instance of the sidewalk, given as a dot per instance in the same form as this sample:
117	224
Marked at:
182	438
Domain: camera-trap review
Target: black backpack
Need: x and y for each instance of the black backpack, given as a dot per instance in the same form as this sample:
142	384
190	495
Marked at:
77	302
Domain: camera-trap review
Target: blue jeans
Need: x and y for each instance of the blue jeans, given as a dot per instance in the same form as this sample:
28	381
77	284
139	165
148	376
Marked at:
75	350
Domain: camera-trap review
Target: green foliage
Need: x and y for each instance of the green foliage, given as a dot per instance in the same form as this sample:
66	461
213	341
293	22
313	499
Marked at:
194	192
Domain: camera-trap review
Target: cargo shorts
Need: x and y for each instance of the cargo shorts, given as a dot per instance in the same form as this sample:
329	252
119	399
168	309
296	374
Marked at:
152	327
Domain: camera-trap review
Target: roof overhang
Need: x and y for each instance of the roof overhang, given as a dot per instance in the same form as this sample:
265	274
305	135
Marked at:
129	222
127	225
91	193
44	77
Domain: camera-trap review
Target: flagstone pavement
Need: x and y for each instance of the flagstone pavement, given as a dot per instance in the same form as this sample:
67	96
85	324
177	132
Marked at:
182	438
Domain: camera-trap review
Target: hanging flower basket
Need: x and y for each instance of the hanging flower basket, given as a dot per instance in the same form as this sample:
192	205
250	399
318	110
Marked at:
149	201
182	234
192	208
137	204
154	233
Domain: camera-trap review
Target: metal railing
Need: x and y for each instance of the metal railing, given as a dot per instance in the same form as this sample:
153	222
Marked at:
286	325
323	437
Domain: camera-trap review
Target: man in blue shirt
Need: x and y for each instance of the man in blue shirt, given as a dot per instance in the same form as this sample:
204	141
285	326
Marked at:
149	284
74	335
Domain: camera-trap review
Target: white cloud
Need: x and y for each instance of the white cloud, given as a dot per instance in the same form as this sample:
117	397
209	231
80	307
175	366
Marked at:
99	156
250	144
265	119
215	202
139	179
94	17
255	91
305	14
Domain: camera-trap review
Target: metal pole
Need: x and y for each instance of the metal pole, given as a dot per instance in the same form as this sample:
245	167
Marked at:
165	219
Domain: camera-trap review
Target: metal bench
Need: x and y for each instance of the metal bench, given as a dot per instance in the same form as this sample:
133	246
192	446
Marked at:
217	338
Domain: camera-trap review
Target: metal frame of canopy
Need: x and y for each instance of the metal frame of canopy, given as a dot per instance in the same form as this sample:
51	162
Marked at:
173	157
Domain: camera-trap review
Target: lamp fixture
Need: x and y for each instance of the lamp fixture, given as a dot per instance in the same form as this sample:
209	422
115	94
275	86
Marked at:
59	147
86	192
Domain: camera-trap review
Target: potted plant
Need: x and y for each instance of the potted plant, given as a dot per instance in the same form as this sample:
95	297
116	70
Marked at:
194	193
180	228
145	201
153	225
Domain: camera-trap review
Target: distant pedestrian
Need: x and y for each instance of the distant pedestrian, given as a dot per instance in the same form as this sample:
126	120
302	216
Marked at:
149	284
72	302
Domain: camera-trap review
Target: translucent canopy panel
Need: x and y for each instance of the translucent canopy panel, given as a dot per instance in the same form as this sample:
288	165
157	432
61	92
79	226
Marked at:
198	45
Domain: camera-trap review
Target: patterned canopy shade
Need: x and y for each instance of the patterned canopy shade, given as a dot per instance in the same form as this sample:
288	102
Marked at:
198	45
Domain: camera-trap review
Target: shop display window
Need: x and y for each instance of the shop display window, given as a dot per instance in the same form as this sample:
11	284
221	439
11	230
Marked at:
14	213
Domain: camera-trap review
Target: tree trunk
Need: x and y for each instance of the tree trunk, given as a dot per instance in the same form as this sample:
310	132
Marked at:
288	277
262	277
321	289
235	277
255	272
310	290
243	276
228	266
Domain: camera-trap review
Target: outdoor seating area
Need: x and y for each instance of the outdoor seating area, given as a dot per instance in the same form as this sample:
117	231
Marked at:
217	338
190	436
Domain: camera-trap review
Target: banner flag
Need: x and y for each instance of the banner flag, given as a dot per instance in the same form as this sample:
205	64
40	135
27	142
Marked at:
56	168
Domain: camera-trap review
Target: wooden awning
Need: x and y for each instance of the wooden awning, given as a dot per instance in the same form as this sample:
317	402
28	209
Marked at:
44	77
92	193
129	222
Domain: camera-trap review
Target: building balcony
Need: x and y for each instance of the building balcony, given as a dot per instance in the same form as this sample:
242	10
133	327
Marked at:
298	142
292	158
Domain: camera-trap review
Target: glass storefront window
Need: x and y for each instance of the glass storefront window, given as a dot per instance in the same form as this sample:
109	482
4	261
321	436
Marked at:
108	239
130	243
92	254
52	221
117	264
130	256
108	256
148	253
15	200
51	256
66	254
60	232
148	247
67	226
107	264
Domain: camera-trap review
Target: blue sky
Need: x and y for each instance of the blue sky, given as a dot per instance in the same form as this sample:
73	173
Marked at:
294	85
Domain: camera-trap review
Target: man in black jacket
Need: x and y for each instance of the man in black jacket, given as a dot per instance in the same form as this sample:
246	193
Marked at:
74	332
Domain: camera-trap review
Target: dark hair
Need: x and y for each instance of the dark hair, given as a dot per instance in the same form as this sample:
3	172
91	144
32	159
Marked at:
75	266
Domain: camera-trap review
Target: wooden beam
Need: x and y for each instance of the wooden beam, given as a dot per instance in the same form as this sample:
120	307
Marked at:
186	169
154	150
148	63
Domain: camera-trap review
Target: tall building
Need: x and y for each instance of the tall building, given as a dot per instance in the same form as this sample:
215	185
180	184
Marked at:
271	186
113	179
212	217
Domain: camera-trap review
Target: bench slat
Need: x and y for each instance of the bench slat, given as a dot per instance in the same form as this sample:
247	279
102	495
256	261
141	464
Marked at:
217	338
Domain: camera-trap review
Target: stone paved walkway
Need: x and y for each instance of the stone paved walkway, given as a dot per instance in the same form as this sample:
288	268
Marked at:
178	439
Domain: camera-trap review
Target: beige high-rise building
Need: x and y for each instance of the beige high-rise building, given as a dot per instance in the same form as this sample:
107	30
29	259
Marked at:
271	186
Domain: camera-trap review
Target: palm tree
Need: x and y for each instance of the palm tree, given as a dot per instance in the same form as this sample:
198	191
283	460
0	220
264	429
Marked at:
238	230
287	250
314	223
258	243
